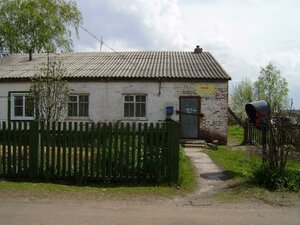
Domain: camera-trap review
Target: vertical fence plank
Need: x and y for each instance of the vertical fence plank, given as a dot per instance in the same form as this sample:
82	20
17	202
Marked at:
121	165
34	154
139	144
116	152
25	139
156	153
92	162
81	149
48	143
98	155
110	143
71	143
4	144
145	153
58	144
103	163
150	150
86	148
14	154
75	150
19	140
53	146
9	164
163	151
133	141
127	151
42	149
64	149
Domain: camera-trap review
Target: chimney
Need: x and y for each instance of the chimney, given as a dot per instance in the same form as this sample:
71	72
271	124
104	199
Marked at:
197	50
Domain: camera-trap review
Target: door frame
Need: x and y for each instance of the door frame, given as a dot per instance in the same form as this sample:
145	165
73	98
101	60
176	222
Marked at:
199	112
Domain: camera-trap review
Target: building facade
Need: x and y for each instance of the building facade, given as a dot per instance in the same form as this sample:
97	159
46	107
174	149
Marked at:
188	87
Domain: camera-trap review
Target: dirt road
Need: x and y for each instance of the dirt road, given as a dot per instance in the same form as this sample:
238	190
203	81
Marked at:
139	212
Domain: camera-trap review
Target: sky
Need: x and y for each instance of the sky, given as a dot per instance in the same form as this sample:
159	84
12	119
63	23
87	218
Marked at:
243	35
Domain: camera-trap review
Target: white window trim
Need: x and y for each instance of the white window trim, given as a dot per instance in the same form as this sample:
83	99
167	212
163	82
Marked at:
79	117
134	117
12	107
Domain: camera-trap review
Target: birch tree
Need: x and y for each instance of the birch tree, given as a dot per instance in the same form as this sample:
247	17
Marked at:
50	92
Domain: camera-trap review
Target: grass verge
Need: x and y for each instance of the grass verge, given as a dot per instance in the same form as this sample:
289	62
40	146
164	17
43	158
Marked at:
240	166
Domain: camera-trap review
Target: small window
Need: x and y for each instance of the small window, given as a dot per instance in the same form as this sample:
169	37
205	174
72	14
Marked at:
22	107
78	106
135	106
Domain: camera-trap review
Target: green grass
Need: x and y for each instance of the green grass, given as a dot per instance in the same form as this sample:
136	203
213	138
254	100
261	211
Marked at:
187	178
186	184
236	132
240	166
236	162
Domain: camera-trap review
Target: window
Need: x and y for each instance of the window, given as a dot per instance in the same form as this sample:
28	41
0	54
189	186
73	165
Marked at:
135	106
78	106
22	107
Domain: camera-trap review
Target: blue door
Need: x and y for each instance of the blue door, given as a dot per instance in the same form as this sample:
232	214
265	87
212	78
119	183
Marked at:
189	117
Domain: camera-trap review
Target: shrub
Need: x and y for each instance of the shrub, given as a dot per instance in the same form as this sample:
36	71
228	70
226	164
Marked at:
272	178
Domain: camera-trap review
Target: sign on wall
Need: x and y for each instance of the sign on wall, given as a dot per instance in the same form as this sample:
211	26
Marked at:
205	89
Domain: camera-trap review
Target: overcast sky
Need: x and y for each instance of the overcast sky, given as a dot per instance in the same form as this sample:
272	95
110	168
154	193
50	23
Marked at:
243	35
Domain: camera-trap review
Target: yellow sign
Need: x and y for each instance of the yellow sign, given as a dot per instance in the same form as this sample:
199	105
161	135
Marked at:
205	89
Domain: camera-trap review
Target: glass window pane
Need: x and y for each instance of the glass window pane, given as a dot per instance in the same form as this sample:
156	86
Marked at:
29	107
140	110
73	98
129	98
72	109
84	98
18	111
18	100
83	109
129	110
140	98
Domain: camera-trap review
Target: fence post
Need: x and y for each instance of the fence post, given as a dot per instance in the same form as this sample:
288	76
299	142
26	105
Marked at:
173	151
34	150
246	132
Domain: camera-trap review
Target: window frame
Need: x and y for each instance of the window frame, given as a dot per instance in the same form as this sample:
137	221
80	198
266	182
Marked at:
23	94
78	106
134	106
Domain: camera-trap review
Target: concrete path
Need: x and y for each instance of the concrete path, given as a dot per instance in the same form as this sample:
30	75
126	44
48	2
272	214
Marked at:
210	177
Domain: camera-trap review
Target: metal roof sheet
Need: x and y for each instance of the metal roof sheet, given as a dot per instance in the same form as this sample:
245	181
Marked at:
114	65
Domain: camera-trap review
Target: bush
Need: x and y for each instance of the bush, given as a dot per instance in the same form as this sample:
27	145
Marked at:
272	179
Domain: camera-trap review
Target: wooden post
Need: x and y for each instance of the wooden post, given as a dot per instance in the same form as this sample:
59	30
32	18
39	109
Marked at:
173	152
246	132
34	154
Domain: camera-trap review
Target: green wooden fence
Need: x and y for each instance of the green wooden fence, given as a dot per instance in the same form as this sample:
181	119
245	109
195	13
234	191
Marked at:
89	151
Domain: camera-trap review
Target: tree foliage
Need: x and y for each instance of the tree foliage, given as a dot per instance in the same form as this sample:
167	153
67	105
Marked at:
37	25
241	95
272	87
50	92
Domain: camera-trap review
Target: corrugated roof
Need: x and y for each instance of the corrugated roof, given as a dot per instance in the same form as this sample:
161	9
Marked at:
113	65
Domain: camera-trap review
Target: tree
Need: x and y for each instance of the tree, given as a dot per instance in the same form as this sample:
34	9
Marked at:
38	25
50	92
241	95
272	87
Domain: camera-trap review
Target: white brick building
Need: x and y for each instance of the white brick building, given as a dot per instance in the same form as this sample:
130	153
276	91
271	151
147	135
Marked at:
130	86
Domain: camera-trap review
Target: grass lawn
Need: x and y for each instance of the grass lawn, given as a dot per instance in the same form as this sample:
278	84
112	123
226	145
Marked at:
236	132
186	184
240	165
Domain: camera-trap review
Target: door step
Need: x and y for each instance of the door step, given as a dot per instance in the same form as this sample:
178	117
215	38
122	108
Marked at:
193	143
